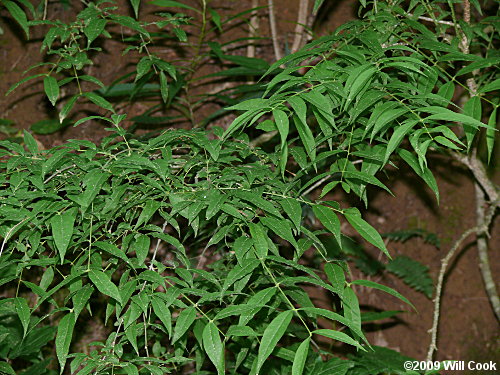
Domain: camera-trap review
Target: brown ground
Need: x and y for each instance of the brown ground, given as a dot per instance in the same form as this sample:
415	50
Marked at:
468	330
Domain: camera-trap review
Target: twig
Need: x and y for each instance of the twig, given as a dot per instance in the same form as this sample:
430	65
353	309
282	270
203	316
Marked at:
482	249
299	28
444	264
151	266
274	32
58	172
477	169
442	22
263	138
254	26
324	179
9	233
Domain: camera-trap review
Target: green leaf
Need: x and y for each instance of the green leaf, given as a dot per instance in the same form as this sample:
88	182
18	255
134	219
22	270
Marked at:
445	114
238	272
135	6
172	4
162	312
491	133
352	312
413	273
366	231
23	312
141	247
63	338
213	346
104	284
163	87
185	319
336	276
49	126
111	249
425	174
24	80
259	299
293	209
484	63
447	90
18	14
30	142
131	369
216	18
300	358
81	298
358	78
300	119
374	285
329	219
317	5
272	334
282	228
490	86
99	101
282	124
94	28
51	89
62	226
259	238
398	135
339	336
6	368
67	108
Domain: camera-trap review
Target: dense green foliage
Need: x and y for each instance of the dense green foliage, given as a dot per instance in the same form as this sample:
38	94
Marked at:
190	245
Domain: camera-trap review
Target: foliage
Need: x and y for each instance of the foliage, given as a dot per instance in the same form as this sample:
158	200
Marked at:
413	273
189	246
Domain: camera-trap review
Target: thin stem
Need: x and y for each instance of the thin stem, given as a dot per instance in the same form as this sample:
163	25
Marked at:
252	29
444	265
274	31
482	249
299	28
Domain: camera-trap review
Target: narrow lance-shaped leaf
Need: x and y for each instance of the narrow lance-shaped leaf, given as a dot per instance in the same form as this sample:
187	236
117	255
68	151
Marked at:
336	276
23	312
94	28
352	311
104	284
162	312
339	336
99	101
272	334
392	292
329	219
293	209
163	87
491	133
300	358
67	108
18	14
213	346
282	124
365	230
30	142
259	238
63	338
62	230
184	321
51	89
